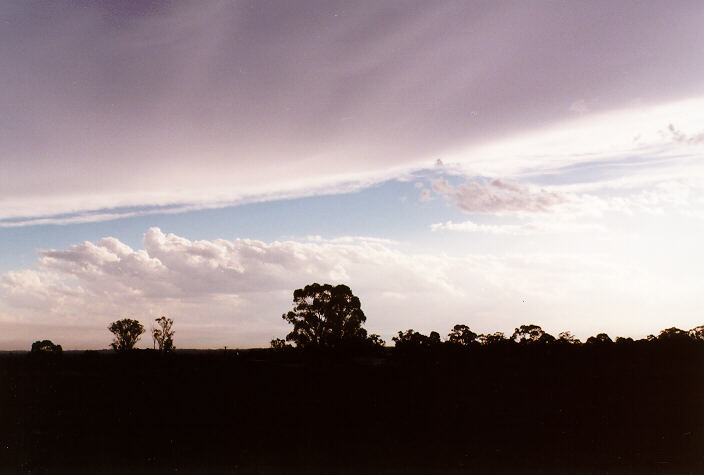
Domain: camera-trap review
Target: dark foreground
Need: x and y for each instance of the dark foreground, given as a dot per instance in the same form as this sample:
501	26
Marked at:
624	409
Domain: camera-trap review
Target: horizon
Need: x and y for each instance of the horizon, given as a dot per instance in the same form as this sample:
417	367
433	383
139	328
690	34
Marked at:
570	339
492	165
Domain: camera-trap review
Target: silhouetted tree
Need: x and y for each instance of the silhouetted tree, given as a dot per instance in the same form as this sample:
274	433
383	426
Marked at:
434	338
496	338
376	341
279	344
567	337
162	334
600	339
461	335
674	335
411	339
697	333
127	332
46	346
624	341
531	334
326	316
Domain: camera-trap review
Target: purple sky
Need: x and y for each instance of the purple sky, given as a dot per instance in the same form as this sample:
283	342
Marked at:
108	102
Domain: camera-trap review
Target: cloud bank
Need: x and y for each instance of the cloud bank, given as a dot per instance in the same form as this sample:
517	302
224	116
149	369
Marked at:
232	292
108	105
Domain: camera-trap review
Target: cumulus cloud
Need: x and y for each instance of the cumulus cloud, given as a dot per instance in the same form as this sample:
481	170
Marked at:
498	197
232	292
202	282
171	266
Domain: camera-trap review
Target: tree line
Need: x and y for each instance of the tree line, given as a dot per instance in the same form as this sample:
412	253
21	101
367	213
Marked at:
330	317
126	334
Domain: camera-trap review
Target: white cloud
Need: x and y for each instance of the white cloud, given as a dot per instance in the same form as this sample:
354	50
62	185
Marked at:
603	137
223	292
205	283
98	205
523	229
470	226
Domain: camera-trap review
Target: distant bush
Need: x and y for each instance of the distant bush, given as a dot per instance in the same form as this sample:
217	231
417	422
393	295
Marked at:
600	339
279	344
46	346
375	341
461	335
413	340
528	334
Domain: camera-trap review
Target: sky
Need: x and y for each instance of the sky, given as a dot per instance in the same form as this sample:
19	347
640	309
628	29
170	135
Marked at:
487	163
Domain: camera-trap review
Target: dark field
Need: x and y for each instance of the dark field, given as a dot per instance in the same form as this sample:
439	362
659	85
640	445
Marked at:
624	408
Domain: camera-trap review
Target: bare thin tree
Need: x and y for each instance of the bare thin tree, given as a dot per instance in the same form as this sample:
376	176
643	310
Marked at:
162	334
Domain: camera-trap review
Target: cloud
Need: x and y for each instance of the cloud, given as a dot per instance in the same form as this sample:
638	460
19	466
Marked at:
564	208
233	292
209	104
470	226
240	286
170	266
498	197
679	136
524	229
579	107
604	138
101	206
665	197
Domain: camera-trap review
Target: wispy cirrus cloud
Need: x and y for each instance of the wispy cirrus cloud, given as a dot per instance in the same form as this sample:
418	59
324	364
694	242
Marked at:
107	105
98	207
